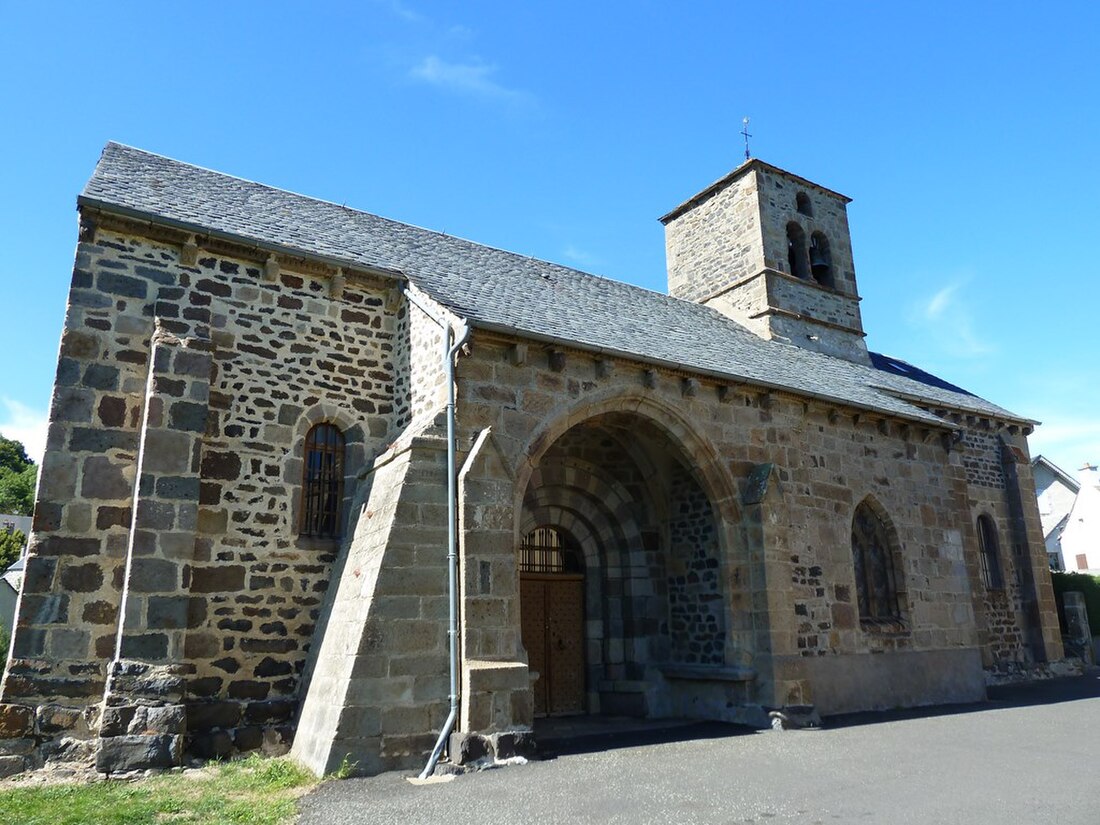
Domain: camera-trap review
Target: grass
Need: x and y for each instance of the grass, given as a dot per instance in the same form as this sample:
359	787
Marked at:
252	791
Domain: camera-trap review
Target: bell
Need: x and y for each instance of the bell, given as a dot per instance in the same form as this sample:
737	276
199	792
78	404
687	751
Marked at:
818	258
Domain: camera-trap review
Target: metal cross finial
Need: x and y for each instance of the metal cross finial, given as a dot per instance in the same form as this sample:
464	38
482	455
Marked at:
745	132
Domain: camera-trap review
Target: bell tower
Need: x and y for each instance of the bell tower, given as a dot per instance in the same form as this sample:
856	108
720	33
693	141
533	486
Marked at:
772	251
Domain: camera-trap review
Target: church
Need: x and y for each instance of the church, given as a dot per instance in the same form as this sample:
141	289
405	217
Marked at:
321	481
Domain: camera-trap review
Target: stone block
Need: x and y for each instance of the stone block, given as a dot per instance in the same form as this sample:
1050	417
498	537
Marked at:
205	716
150	575
82	578
227	578
117	754
16	721
217	744
152	647
11	765
104	479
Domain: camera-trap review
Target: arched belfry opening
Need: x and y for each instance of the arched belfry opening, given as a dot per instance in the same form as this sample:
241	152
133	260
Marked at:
797	261
803	205
621	569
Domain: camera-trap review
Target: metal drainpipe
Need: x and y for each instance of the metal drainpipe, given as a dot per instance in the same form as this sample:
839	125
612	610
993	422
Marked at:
450	352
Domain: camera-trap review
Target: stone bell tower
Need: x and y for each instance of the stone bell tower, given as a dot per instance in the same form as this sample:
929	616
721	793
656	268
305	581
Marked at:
772	251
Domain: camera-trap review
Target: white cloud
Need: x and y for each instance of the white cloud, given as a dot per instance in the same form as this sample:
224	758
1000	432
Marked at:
402	10
22	423
1068	442
947	321
467	78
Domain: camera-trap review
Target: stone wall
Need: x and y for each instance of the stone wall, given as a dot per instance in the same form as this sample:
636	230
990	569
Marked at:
173	474
826	461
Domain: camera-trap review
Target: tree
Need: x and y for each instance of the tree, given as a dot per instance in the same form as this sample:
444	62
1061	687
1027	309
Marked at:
18	475
11	548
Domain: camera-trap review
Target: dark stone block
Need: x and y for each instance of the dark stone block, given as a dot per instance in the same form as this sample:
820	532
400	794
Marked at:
220	579
210	493
66	546
103	479
123	285
214	745
16	721
465	748
289	414
262	352
47	517
227	664
54	719
178	487
72	404
153	576
101	377
155	515
76	344
187	416
68	372
131	356
85	439
193	363
246	689
169	386
38	576
112	411
116	754
82	279
151	647
271	667
82	578
206	686
288	302
249	738
273	710
100	613
204	716
116	720
50	608
108	517
167	612
238	625
214	288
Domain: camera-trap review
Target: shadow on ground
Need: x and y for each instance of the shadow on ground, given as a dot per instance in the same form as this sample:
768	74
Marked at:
1046	692
591	734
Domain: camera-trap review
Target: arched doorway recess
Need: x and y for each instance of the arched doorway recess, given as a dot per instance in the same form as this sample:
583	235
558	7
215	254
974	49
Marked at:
619	501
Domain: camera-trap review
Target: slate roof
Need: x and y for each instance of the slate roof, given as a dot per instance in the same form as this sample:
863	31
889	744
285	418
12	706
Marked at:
504	291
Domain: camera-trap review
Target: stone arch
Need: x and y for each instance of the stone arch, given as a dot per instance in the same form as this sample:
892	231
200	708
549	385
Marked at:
700	454
355	457
657	520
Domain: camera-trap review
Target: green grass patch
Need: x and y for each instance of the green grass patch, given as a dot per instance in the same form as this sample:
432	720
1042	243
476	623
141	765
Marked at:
252	791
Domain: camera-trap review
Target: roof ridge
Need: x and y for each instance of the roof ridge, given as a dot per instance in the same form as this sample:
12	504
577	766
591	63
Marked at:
391	221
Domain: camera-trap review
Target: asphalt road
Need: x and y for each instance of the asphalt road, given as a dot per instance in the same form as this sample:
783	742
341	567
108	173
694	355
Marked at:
1029	755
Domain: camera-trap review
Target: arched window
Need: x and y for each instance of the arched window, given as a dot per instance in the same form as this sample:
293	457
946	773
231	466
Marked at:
989	553
548	550
322	482
802	203
796	251
876	579
821	259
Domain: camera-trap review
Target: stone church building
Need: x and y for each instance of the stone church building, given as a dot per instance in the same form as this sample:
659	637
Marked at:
276	421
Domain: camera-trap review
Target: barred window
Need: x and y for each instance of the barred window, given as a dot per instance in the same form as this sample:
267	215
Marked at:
876	578
989	553
547	550
322	482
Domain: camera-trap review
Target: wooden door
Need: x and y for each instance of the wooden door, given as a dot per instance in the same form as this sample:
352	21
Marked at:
552	624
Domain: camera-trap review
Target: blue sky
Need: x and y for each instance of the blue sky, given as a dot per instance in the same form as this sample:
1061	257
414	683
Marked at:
965	132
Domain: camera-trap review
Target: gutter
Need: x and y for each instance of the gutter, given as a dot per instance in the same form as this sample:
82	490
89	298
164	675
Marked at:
454	338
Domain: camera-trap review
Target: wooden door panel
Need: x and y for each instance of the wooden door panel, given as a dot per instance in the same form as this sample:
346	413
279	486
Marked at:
565	613
532	594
